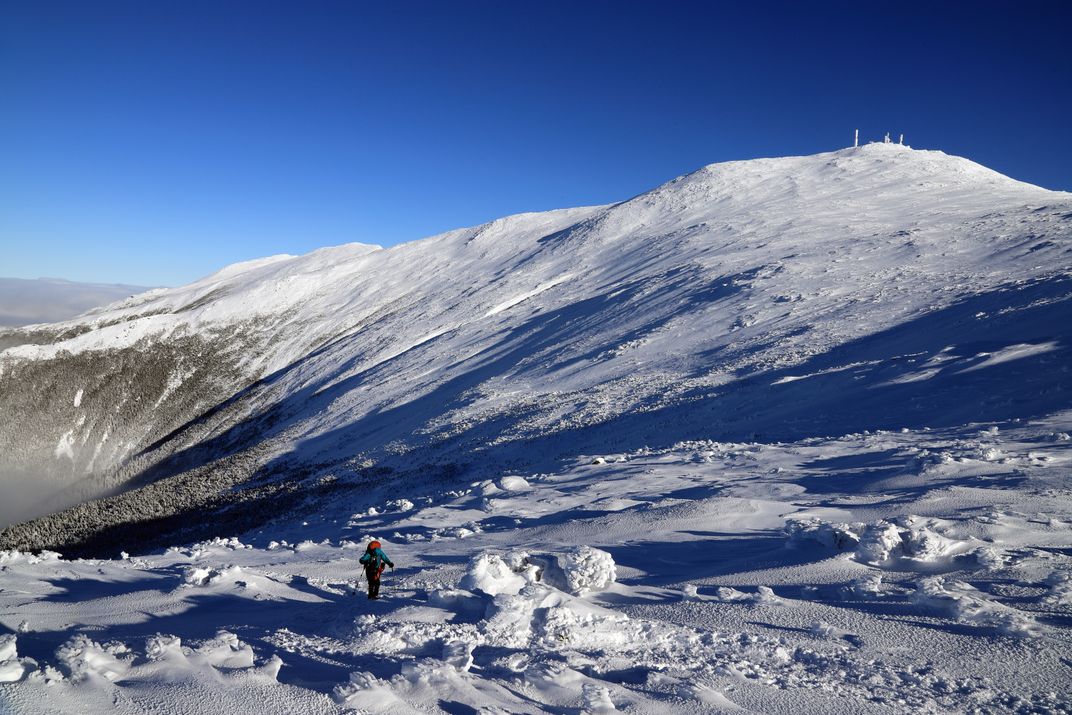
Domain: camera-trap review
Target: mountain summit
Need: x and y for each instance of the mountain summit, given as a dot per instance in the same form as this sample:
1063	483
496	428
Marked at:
878	287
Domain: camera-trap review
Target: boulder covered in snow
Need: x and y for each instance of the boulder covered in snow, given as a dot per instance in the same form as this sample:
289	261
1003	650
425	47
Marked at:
879	543
492	575
85	659
7	647
514	484
840	537
11	670
579	570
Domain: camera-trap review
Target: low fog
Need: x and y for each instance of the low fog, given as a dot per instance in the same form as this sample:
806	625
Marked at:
26	496
47	300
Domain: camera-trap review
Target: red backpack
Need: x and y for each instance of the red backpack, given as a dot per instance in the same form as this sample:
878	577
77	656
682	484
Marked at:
375	564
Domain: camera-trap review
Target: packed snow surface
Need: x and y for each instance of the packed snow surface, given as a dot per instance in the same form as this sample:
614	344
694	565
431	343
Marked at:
707	577
780	436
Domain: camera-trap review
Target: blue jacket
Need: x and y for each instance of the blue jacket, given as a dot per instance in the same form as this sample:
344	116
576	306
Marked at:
378	553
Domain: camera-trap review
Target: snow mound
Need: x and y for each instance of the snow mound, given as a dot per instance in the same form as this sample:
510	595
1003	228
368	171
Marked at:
903	540
866	588
7	647
165	648
514	484
546	616
456	600
200	576
164	658
826	631
225	654
11	557
206	576
226	651
597	700
966	604
86	659
491	574
1060	589
578	571
424	681
239	582
366	693
840	537
764	595
879	543
11	670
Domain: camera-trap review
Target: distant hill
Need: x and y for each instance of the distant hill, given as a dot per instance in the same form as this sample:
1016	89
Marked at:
47	300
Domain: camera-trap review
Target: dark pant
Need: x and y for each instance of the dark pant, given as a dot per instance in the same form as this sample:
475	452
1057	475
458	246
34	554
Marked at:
373	576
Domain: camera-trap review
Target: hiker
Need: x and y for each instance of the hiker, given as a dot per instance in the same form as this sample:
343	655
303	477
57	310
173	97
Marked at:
375	562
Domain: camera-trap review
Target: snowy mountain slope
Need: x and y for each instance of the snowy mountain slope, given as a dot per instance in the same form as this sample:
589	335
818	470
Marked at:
783	298
46	300
780	436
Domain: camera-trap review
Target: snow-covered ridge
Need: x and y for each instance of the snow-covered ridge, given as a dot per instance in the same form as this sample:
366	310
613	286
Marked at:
315	283
478	343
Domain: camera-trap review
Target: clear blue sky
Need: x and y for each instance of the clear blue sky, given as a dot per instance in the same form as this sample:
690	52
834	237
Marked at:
154	142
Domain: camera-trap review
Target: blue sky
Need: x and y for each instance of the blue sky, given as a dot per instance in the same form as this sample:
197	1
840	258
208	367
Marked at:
153	143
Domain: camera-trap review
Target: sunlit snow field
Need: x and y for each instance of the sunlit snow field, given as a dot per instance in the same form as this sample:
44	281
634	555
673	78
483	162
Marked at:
913	571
